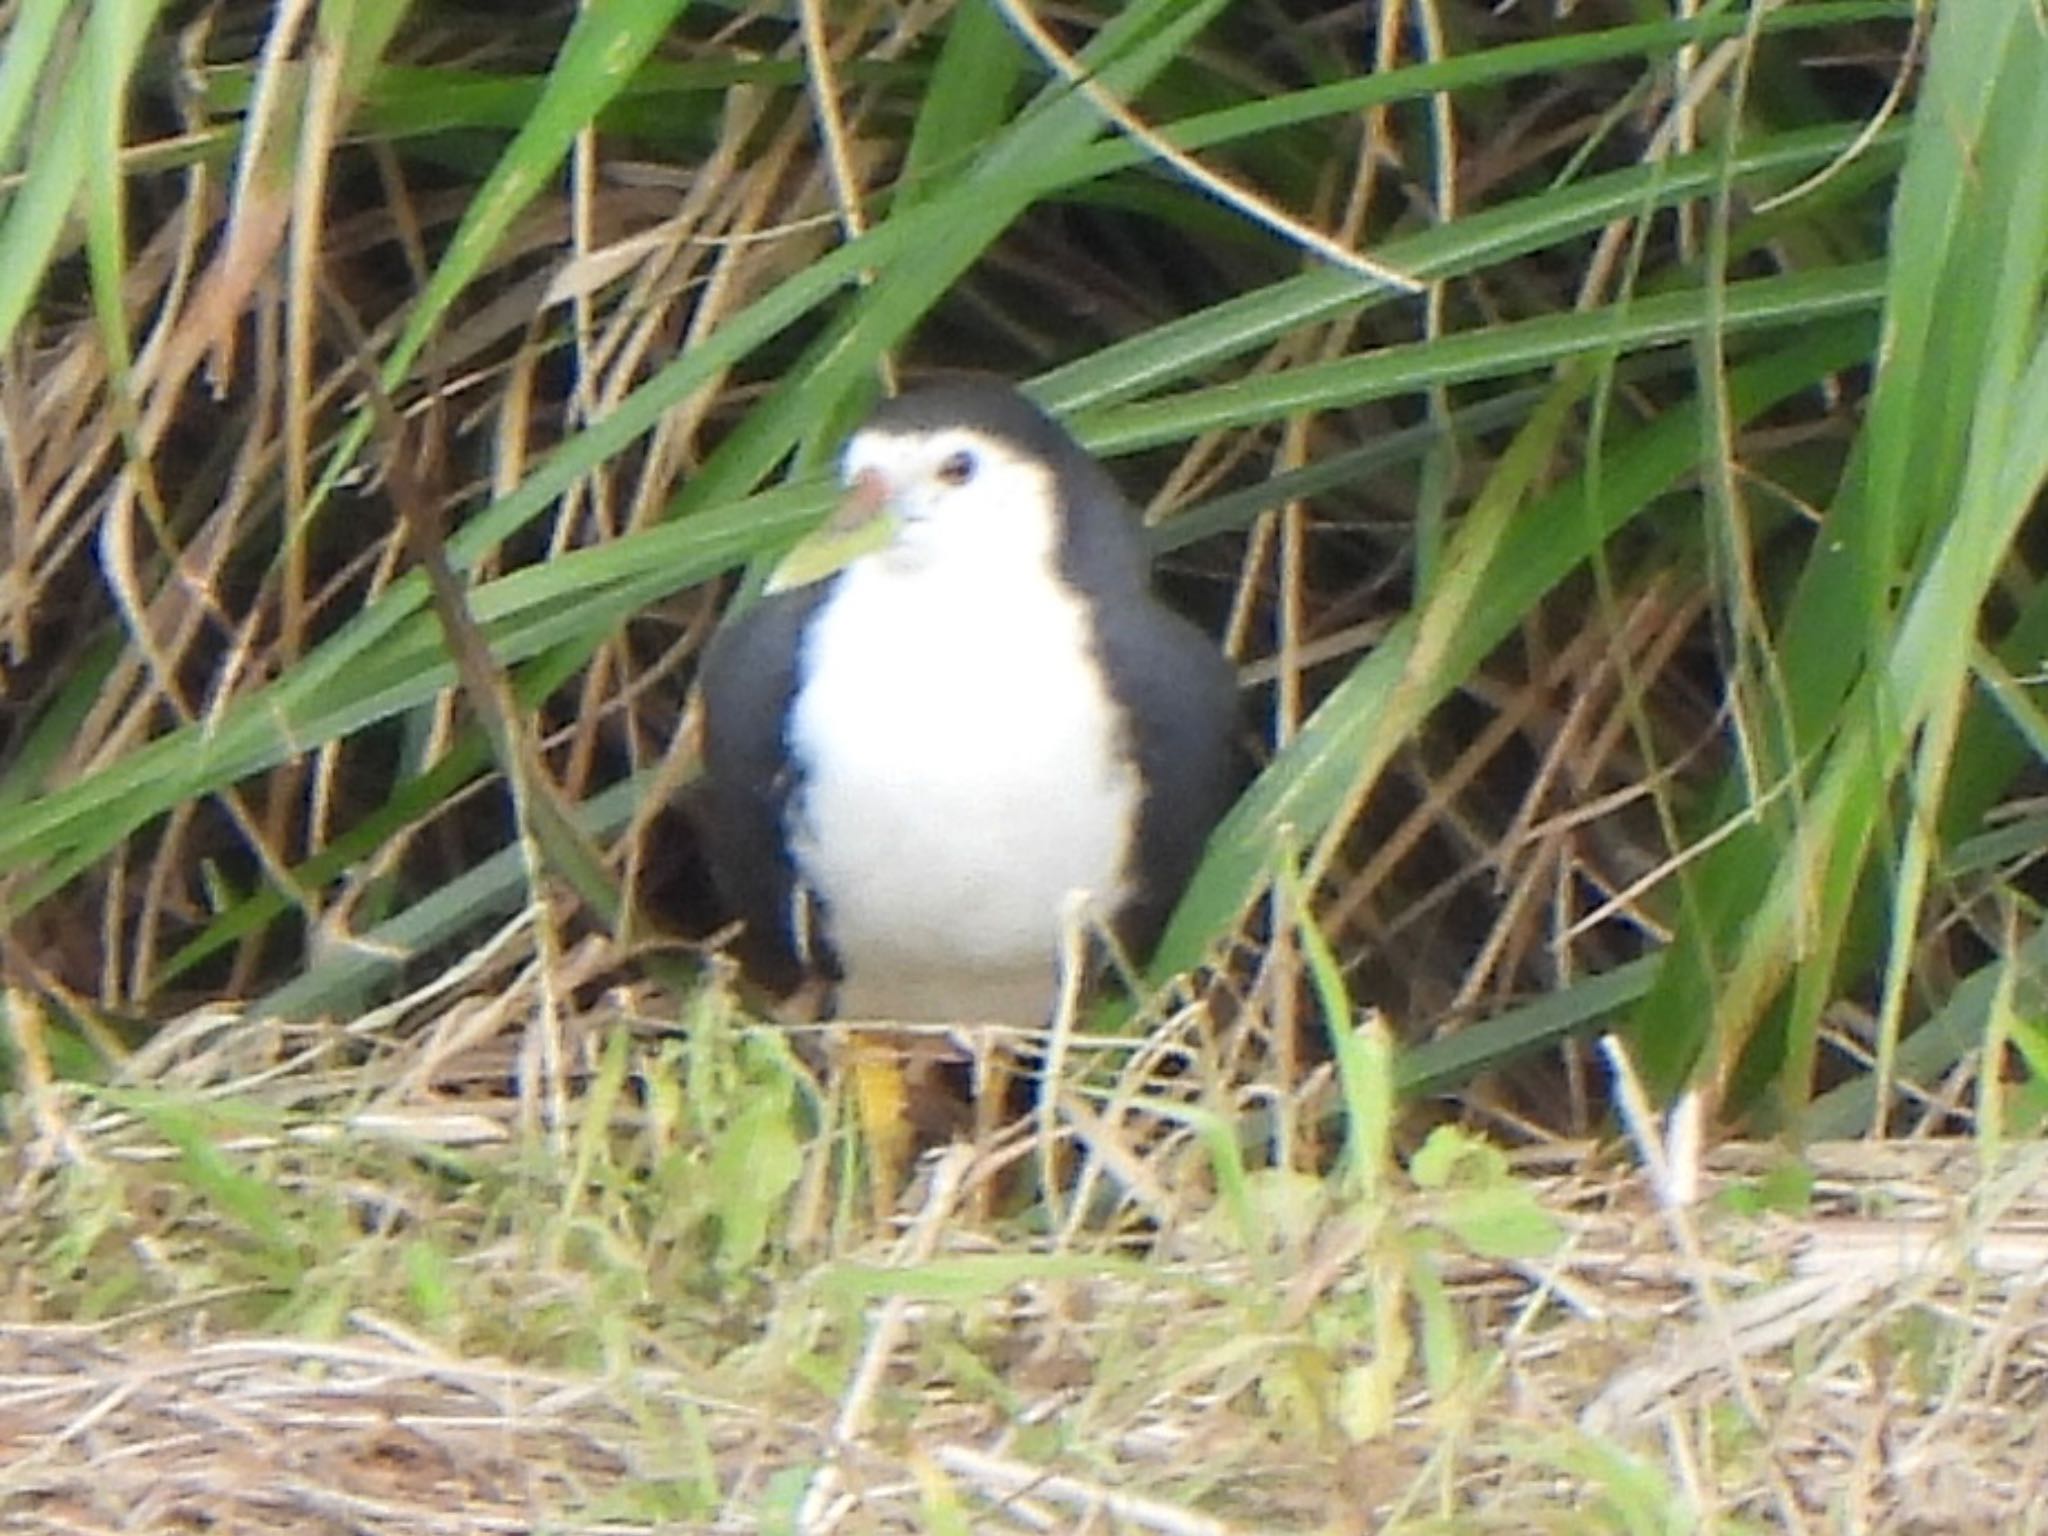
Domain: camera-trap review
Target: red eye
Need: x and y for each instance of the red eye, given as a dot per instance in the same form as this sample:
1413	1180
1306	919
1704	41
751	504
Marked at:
958	468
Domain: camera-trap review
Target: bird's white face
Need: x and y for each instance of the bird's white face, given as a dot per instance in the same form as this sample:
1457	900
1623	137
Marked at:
960	500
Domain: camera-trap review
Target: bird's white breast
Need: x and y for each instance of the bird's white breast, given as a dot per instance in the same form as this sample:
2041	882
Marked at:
964	776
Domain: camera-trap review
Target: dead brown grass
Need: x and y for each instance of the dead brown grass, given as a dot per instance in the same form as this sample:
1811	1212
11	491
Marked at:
1856	1342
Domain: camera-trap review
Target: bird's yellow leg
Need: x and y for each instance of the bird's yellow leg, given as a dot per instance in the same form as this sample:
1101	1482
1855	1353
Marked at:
992	1073
881	1097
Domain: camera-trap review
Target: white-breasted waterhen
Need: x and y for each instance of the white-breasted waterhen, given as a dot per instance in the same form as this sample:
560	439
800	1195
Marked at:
921	770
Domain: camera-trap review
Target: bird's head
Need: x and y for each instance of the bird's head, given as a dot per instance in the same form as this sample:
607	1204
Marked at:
953	497
963	478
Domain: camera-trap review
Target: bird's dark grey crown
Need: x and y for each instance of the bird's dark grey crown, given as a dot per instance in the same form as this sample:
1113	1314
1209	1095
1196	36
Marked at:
980	404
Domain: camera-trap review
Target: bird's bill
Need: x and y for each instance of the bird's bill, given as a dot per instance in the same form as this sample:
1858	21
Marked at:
860	525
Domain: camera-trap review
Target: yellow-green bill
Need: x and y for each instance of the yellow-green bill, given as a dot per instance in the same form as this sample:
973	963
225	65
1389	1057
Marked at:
828	551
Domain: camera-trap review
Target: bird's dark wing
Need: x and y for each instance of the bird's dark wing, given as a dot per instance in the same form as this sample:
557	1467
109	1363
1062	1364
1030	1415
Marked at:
748	679
1179	696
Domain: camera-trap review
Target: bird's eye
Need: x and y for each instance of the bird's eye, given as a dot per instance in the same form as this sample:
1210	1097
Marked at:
957	468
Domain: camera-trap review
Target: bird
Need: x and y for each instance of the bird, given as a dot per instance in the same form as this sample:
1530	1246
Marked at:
925	770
